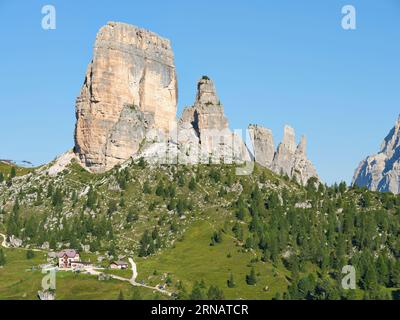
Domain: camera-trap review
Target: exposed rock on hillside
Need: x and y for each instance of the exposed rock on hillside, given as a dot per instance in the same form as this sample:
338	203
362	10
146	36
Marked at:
59	164
130	87
381	172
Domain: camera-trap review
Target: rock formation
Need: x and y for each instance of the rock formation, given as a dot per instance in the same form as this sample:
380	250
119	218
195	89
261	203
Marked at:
130	88
303	169
204	126
202	134
288	159
214	140
127	108
381	172
284	157
263	145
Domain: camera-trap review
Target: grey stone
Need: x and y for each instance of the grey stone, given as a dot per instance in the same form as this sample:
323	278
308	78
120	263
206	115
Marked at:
15	242
263	145
288	159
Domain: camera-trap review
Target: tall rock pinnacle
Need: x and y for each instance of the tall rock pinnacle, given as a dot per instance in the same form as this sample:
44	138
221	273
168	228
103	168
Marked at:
288	159
381	172
289	139
206	93
129	88
204	132
208	111
292	160
263	145
301	148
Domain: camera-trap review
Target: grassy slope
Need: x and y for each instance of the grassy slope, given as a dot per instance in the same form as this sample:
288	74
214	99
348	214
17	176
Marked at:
193	258
190	259
18	282
15	281
5	168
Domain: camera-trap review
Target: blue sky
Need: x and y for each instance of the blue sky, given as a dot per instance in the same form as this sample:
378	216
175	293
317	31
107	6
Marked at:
273	63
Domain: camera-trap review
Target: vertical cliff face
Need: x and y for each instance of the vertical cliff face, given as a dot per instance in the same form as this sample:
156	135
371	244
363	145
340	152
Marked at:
381	172
263	145
130	87
284	157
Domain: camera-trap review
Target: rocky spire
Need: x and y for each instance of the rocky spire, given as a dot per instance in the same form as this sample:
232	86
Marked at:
207	112
206	93
289	139
301	148
291	159
204	128
391	142
381	172
284	157
263	145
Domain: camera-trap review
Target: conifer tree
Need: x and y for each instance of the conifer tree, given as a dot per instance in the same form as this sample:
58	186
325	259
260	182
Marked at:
231	282
2	258
251	279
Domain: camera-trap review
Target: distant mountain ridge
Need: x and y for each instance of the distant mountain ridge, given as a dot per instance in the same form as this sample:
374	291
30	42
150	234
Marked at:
381	171
20	163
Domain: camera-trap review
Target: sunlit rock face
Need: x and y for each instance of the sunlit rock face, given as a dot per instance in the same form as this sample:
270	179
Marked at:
263	145
203	130
130	87
381	172
289	159
127	108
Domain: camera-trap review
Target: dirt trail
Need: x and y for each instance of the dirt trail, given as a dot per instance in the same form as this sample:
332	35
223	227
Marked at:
132	280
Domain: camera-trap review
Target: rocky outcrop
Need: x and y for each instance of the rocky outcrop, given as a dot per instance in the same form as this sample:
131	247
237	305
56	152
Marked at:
127	108
15	242
284	157
60	163
202	135
303	169
381	172
203	130
263	145
130	87
288	159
